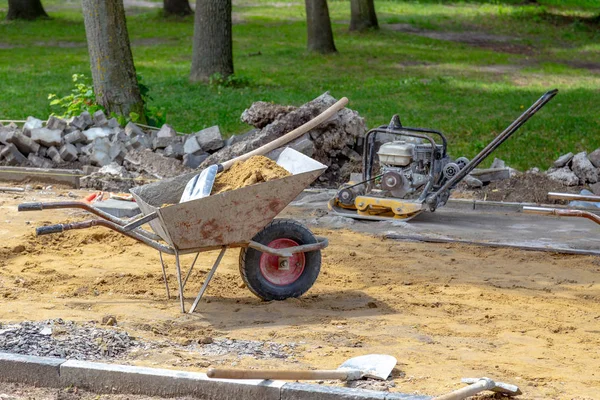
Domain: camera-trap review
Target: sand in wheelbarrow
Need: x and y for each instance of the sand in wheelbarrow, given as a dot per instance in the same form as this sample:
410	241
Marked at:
254	170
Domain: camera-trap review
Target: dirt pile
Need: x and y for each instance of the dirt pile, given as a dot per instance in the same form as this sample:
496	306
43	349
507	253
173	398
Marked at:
254	170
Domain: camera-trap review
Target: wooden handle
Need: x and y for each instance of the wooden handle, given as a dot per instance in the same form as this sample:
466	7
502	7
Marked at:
467	391
276	374
288	137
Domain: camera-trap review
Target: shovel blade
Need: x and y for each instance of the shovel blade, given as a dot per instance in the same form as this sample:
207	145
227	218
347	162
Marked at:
376	366
200	185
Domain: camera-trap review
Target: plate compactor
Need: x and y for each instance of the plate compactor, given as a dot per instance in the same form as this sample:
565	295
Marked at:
415	171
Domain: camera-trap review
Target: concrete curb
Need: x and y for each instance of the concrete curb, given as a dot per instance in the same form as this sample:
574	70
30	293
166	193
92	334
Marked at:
47	175
115	378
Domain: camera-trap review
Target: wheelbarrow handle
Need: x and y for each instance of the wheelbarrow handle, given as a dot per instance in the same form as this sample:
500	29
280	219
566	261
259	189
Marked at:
47	230
30	207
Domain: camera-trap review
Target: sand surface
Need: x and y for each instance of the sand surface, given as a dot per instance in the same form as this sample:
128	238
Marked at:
444	311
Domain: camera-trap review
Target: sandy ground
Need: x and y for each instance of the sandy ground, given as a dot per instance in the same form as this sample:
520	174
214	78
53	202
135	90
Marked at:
444	311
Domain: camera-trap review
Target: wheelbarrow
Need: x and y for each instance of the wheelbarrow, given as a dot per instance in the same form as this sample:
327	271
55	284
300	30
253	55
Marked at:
278	259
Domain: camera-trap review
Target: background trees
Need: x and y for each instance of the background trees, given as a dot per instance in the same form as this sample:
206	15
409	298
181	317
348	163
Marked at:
177	8
25	9
318	25
212	51
362	15
111	61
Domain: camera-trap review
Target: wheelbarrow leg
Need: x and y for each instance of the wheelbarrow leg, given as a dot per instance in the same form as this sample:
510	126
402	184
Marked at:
179	281
207	280
165	275
190	271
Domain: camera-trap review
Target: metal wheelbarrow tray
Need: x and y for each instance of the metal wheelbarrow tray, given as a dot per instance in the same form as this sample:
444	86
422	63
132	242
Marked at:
278	259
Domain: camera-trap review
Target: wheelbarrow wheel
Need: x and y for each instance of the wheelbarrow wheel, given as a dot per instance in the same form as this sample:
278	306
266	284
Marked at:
261	272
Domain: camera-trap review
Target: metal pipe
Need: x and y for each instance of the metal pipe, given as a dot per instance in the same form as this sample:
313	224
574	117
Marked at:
498	140
562	213
208	278
179	282
45	230
190	270
569	196
162	263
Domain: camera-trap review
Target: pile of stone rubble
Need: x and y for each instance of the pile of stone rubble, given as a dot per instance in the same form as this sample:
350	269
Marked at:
579	169
93	142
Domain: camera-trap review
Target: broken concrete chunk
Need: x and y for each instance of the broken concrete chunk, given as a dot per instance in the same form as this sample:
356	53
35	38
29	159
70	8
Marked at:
32	123
82	121
87	149
94	133
68	152
472	182
191	145
113	123
117	152
583	168
594	158
100	153
132	129
89	169
99	119
12	155
563	160
24	144
303	145
39	162
262	113
54	154
595	187
47	137
42	151
210	139
75	137
160	142
175	150
491	174
565	176
193	161
139	142
56	123
498	163
166	131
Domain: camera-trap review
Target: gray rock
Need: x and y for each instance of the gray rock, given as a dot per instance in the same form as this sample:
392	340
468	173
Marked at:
95	133
42	151
68	152
498	163
101	152
191	145
132	129
117	152
12	155
262	113
82	121
139	142
47	137
56	123
166	131
87	149
39	162
33	123
595	187
584	169
193	161
54	154
89	169
24	144
84	159
160	142
210	139
100	119
113	123
304	145
594	158
563	160
565	176
472	182
175	150
75	137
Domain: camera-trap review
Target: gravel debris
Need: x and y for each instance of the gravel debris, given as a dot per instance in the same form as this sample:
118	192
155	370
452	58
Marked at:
253	348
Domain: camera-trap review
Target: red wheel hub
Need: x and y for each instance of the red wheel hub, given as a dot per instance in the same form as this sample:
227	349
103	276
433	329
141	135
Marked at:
280	274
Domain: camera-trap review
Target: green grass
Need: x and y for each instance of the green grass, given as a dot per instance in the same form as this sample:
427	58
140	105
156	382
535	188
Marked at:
471	92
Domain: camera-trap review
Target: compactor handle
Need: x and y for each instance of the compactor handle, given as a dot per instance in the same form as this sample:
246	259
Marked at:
50	229
30	207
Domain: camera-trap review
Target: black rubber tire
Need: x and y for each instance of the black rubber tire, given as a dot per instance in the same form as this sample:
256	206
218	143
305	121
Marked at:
250	261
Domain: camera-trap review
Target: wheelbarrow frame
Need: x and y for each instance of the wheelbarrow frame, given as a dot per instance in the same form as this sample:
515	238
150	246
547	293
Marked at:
227	220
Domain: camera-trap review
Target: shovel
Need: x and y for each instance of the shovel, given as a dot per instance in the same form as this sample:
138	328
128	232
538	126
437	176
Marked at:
477	385
201	185
376	366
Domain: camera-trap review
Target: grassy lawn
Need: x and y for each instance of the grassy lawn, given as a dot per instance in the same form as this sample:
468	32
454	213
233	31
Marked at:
465	68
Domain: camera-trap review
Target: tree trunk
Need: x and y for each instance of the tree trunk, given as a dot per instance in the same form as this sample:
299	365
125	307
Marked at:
363	15
113	72
212	48
25	9
318	25
177	7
